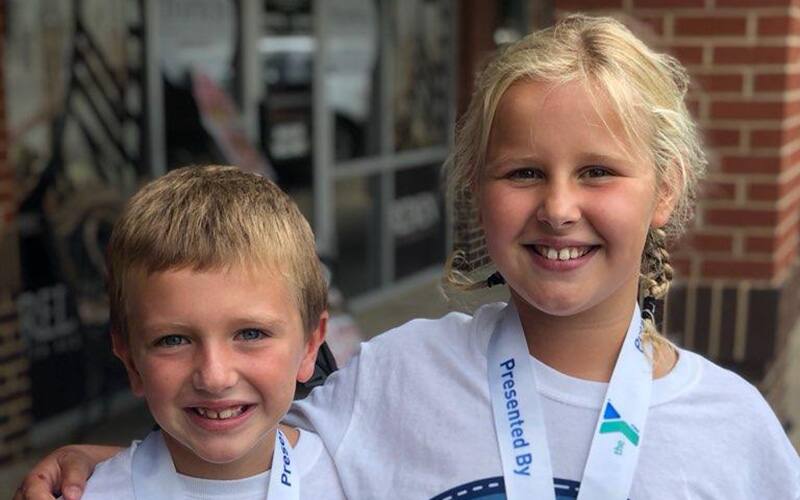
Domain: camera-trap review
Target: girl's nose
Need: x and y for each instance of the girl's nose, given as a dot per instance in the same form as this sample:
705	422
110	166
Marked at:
559	208
214	371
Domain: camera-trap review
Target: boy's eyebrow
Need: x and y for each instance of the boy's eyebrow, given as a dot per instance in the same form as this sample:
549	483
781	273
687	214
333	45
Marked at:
269	322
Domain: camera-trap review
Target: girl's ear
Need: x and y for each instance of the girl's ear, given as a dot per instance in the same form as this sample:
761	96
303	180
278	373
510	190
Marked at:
667	199
315	339
122	351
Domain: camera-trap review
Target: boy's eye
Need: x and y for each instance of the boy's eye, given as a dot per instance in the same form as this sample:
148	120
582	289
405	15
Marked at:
171	341
596	171
251	334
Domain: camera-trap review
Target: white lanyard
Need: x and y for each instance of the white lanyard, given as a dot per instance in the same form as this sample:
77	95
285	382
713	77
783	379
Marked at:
155	478
520	427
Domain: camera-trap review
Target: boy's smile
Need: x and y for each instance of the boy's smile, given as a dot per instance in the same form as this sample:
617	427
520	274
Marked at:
565	204
216	354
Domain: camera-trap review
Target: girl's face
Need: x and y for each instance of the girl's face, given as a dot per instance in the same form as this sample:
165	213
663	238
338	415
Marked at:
564	204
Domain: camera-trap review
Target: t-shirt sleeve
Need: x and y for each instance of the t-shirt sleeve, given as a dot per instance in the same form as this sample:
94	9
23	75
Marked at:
328	410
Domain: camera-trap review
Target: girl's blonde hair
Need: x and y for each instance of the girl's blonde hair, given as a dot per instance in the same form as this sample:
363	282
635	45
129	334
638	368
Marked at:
214	217
646	90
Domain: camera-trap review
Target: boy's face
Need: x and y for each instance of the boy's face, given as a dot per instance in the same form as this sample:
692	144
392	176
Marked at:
216	354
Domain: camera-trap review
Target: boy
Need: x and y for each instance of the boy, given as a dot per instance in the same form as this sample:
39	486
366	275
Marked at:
217	306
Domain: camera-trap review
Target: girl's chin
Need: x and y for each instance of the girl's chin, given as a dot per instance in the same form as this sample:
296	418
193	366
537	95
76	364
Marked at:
566	304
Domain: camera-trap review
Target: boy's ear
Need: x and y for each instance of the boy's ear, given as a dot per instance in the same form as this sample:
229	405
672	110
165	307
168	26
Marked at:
122	351
315	339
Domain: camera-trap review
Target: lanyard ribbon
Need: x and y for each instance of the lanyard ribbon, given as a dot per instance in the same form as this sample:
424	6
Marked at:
155	478
519	422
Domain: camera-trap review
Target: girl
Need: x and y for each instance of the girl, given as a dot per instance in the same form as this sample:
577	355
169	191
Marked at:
576	161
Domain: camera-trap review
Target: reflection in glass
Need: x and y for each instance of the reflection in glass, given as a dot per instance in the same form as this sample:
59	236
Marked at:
358	234
423	42
351	65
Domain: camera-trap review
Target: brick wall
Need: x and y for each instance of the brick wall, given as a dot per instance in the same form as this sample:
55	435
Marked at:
736	298
14	383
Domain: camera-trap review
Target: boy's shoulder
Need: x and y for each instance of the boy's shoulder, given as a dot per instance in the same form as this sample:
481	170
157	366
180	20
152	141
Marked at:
113	478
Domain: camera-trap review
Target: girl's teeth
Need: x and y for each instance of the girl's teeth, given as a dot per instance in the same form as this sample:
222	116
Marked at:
563	254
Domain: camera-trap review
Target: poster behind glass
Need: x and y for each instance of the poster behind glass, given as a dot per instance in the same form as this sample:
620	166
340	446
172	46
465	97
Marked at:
417	220
73	109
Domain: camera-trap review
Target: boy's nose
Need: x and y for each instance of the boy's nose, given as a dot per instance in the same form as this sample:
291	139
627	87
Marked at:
214	372
559	208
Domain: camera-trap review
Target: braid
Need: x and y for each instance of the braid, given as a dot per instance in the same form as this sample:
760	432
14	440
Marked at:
656	275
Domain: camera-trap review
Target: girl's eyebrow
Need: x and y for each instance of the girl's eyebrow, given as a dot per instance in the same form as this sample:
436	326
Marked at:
510	158
602	158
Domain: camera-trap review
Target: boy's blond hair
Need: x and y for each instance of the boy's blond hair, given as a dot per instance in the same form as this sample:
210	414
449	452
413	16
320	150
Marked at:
214	217
646	90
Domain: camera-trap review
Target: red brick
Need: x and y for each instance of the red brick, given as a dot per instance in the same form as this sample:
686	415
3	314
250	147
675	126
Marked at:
751	164
720	137
711	26
778	25
751	55
737	110
751	3
720	83
737	269
760	244
712	242
766	138
688	54
669	3
763	192
719	190
770	82
587	4
741	217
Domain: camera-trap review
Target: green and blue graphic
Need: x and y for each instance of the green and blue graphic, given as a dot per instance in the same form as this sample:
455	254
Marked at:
612	422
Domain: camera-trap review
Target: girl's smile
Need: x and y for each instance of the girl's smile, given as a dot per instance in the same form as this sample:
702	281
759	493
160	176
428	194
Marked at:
565	201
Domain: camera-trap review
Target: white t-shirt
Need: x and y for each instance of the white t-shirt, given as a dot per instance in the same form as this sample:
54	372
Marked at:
410	417
113	478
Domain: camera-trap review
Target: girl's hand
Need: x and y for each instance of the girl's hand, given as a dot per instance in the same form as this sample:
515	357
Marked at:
65	470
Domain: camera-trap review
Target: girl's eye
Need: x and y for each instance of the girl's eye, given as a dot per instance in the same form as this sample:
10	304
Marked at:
251	334
596	171
171	341
525	174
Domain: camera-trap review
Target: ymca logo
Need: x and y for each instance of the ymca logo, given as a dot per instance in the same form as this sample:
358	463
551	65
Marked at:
612	422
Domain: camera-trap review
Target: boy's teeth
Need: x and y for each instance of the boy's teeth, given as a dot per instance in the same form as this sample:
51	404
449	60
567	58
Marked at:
563	254
222	414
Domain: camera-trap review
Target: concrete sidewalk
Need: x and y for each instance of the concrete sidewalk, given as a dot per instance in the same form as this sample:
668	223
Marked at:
424	300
